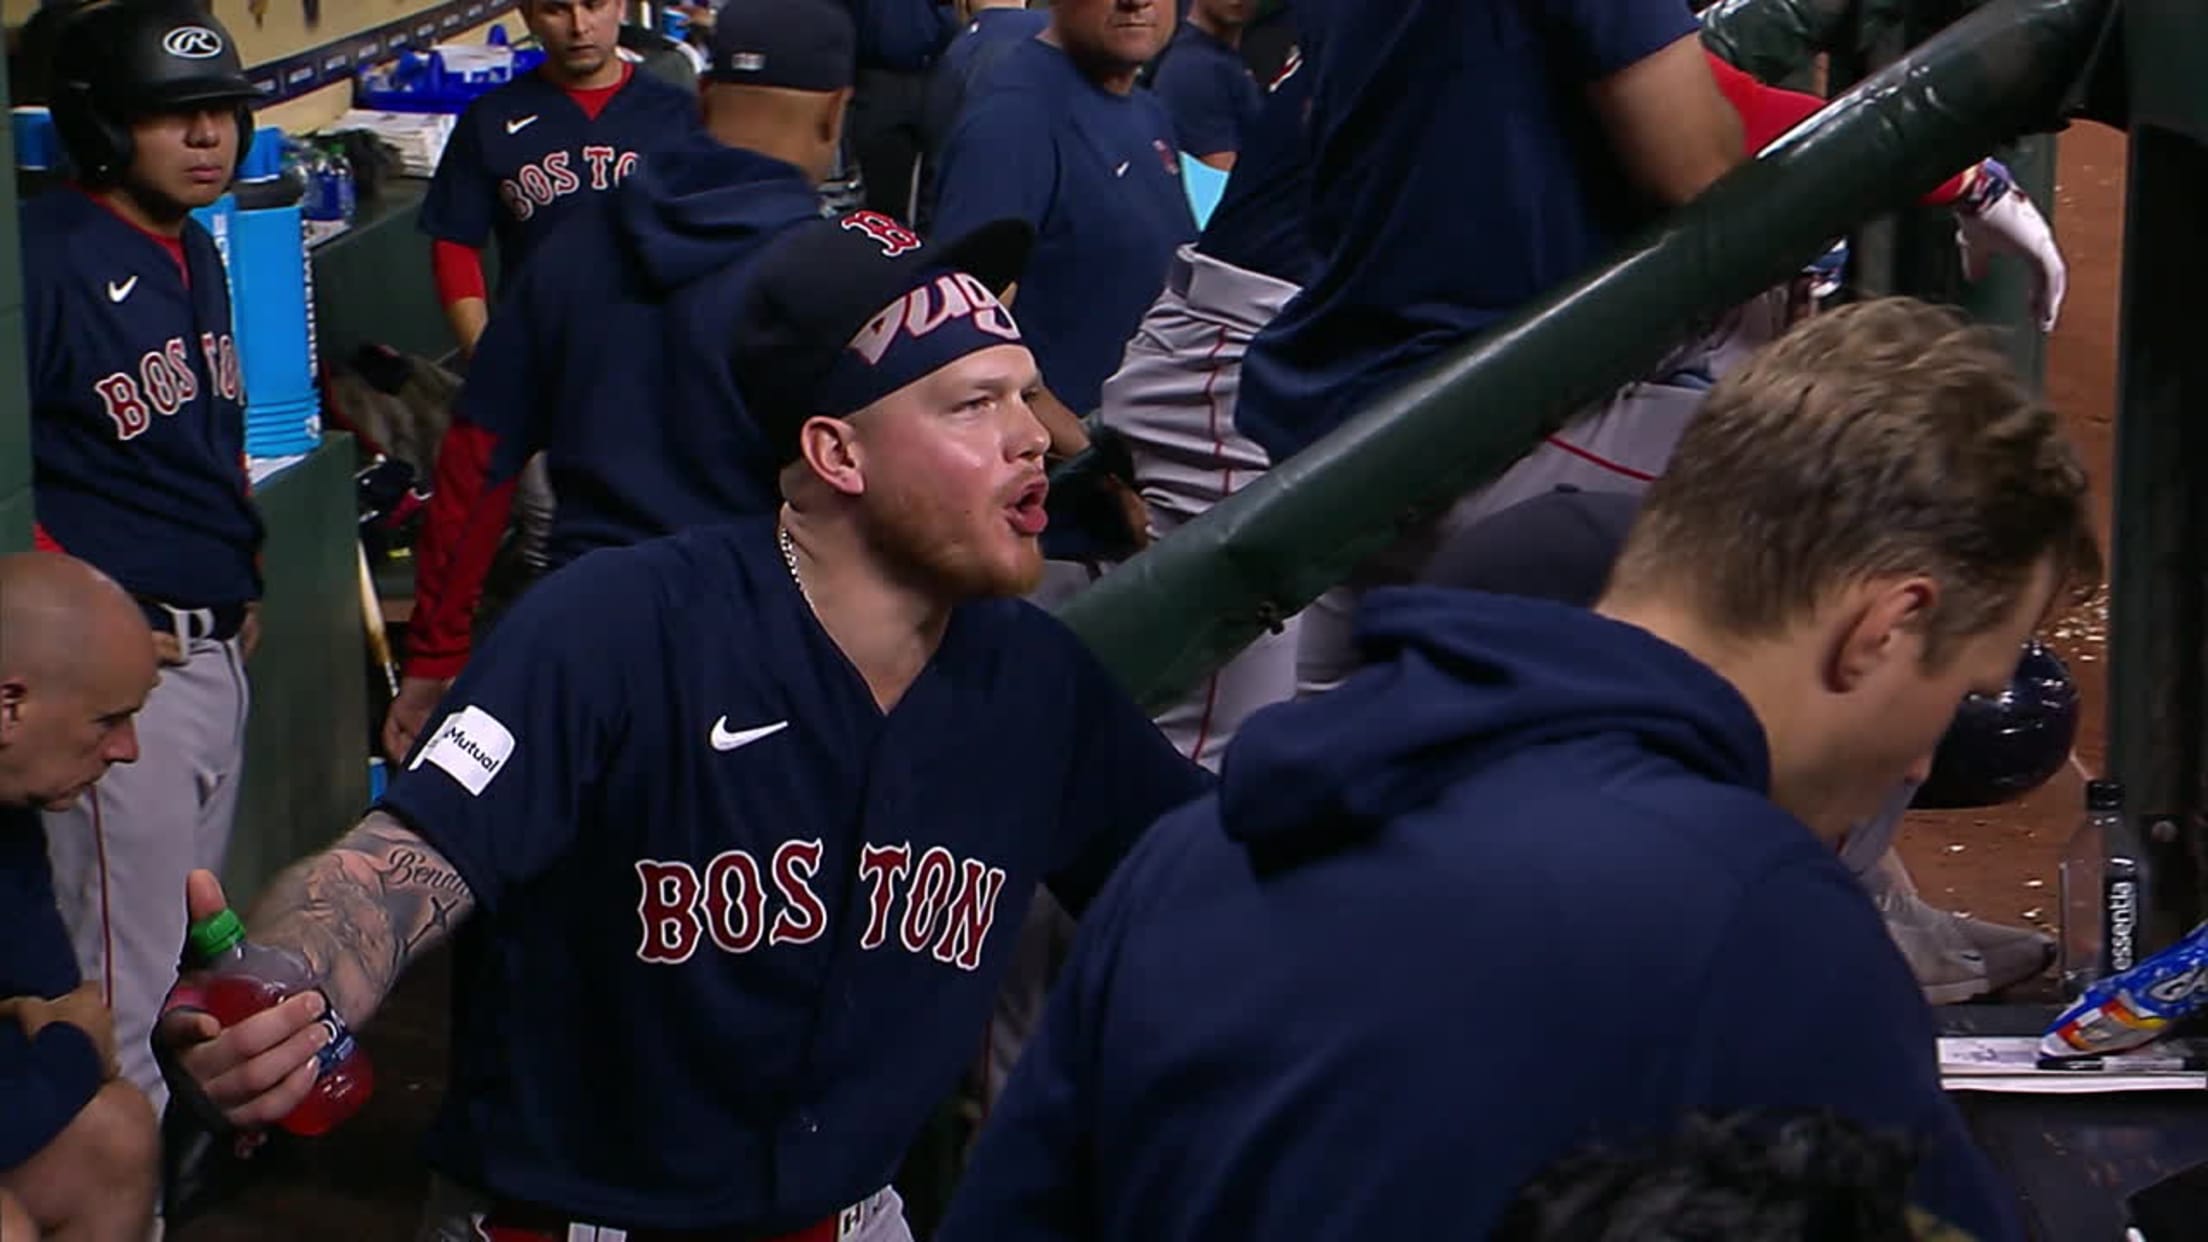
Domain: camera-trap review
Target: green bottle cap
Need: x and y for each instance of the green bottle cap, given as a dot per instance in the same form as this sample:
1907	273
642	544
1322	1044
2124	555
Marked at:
215	935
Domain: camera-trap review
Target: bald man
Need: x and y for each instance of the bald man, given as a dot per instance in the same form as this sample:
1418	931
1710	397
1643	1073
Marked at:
79	1152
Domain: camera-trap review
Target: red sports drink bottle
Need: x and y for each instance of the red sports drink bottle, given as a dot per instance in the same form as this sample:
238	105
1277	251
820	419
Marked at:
244	978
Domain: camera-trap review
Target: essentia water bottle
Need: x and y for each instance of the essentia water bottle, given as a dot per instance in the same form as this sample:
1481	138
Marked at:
244	978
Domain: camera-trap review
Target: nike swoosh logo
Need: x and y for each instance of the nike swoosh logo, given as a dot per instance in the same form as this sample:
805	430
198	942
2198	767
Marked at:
725	740
519	124
1121	171
117	292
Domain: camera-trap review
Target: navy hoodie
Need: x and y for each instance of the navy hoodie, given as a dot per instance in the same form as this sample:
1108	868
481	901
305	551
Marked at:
1516	887
595	352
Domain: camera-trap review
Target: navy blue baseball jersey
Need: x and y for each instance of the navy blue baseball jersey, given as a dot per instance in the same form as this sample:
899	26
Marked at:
1457	173
613	395
526	154
738	929
45	1081
1263	220
1370	989
1208	91
968	59
976	47
137	410
1098	177
990	28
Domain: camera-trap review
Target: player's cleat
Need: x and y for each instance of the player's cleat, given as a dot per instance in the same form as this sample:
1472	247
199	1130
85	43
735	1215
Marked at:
1954	957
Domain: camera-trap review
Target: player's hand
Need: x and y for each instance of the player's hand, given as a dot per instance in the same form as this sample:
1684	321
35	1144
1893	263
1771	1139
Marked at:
249	1075
1995	217
82	1009
1132	508
169	649
249	632
417	698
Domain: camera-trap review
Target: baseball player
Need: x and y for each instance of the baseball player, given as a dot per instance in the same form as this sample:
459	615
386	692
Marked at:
899	42
637	418
1541	876
1383	308
992	27
524	156
1560	546
1058	136
138	459
738	821
77	1143
1174	399
1566	134
1206	86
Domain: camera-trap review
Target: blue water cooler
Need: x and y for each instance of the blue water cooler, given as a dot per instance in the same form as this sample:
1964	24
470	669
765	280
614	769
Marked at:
271	302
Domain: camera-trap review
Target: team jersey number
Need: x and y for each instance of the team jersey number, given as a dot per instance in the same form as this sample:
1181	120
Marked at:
165	382
555	177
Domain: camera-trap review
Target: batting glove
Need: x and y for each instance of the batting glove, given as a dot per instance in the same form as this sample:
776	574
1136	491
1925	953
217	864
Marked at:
1995	217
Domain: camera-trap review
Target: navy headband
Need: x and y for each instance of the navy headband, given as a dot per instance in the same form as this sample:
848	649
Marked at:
944	317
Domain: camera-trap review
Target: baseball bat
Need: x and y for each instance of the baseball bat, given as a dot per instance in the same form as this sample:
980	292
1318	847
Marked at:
371	611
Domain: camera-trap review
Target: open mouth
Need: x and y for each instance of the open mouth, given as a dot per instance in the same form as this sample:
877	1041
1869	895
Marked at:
1026	512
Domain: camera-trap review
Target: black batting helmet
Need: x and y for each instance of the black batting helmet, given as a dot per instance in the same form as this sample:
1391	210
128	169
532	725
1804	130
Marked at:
2003	746
117	61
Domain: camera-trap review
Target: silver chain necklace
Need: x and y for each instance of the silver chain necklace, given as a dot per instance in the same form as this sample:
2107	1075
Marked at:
789	558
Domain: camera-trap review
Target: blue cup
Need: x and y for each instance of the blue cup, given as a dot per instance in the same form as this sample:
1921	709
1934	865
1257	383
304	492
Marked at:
35	143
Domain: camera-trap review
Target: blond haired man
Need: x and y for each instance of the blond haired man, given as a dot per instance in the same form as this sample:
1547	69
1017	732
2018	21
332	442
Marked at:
1540	876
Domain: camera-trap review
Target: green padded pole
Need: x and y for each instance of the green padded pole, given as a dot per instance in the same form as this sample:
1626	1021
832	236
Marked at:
1775	39
1169	616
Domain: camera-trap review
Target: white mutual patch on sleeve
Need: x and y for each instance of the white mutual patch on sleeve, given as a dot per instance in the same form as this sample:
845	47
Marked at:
471	746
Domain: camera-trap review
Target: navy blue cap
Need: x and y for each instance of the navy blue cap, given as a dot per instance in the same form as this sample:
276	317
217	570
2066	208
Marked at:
799	45
823	281
1557	546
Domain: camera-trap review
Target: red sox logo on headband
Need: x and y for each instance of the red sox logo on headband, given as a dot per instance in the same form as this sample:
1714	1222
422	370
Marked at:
895	238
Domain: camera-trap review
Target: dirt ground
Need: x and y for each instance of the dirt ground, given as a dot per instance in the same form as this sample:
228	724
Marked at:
2000	864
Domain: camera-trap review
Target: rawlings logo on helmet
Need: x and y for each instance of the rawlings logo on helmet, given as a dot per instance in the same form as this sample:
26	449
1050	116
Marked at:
192	43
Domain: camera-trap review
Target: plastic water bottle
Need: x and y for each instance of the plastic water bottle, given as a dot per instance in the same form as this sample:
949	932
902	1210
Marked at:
2103	868
245	978
344	197
320	200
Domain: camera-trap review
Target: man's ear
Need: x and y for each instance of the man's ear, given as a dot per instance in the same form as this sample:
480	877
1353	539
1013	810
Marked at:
830	448
13	695
1882	621
831	119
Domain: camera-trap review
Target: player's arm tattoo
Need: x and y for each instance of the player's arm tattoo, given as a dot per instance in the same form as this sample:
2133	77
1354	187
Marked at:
362	910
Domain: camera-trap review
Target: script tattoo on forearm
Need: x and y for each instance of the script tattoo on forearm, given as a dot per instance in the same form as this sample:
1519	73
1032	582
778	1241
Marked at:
362	910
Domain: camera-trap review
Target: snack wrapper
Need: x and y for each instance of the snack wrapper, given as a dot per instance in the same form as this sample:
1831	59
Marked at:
2129	1009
